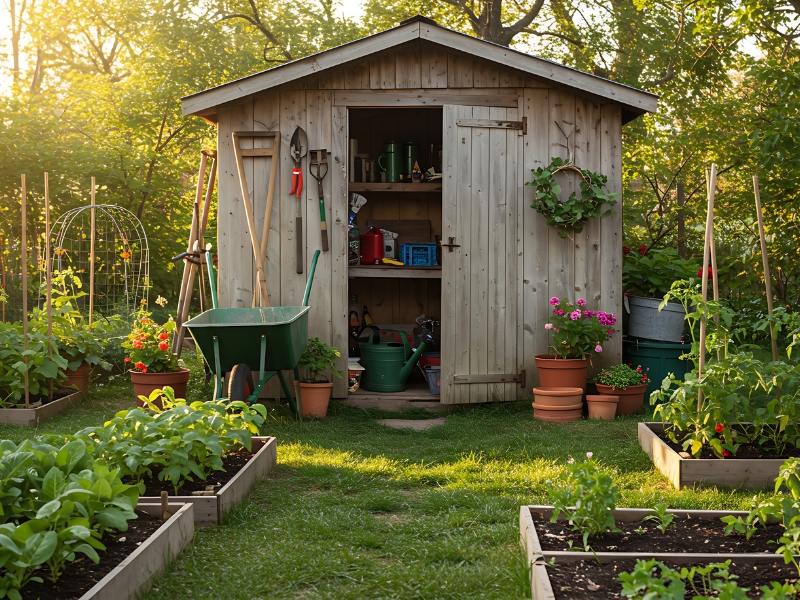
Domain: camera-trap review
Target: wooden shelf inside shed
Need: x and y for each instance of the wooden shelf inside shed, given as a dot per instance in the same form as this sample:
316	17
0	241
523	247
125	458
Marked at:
395	187
391	272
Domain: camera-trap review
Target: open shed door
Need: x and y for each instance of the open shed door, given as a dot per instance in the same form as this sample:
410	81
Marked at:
481	207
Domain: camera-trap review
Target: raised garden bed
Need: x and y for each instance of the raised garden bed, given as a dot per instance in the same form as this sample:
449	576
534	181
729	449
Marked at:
732	472
40	414
211	508
613	549
131	561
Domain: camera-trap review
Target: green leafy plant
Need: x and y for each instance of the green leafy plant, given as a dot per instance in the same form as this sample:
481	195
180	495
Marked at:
651	272
148	346
653	580
572	213
177	443
661	518
43	363
587	496
318	356
577	331
622	376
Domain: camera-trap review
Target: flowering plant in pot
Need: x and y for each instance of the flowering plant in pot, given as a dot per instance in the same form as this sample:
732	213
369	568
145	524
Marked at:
316	389
151	363
577	334
625	382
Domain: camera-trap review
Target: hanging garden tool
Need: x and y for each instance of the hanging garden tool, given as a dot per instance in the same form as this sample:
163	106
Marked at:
298	147
319	159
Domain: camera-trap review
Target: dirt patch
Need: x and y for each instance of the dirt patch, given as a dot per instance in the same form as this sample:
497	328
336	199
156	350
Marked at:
232	463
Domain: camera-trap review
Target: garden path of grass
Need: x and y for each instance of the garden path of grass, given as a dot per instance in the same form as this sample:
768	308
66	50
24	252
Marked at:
355	509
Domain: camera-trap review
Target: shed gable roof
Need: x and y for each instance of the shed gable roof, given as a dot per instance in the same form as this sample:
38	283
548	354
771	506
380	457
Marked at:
634	100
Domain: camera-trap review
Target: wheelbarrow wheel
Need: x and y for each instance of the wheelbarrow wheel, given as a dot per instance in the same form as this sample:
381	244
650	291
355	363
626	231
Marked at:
241	385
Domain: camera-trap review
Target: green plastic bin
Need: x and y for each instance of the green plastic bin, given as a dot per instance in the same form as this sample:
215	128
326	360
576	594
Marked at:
661	358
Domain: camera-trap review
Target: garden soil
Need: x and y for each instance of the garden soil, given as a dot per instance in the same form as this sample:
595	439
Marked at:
82	574
233	462
586	580
683	535
744	451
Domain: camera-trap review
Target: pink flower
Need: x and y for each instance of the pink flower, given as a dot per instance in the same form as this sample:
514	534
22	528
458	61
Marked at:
598	348
589	454
588	314
560	312
575	315
610	332
554	301
581	302
548	326
569	303
555	329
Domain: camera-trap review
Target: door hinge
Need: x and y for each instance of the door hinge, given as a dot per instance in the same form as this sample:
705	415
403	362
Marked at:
451	244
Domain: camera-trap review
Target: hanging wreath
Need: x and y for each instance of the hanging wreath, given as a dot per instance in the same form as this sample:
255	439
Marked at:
572	213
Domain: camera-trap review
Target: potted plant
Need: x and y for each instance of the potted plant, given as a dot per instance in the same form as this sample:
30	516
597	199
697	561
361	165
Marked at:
625	382
577	334
43	364
647	276
316	389
151	363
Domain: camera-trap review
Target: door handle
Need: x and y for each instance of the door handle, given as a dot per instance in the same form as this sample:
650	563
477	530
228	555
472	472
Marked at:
451	244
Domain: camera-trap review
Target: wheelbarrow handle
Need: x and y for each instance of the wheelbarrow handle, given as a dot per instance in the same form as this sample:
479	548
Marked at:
310	277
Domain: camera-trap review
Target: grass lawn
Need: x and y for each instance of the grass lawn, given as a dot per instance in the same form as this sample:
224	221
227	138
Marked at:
356	510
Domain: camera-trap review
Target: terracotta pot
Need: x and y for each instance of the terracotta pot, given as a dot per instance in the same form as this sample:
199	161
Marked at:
562	372
314	398
630	399
602	406
557	414
79	378
144	383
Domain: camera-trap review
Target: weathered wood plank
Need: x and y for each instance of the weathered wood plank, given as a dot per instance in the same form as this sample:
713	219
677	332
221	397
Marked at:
485	74
293	115
502	97
337	231
382	72
459	71
611	228
241	269
562	250
227	179
492	123
479	259
357	76
497	238
513	197
464	200
332	80
450	153
510	79
433	63
535	233
34	416
407	64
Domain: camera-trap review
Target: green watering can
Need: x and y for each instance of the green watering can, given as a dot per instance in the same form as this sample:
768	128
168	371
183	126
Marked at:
387	365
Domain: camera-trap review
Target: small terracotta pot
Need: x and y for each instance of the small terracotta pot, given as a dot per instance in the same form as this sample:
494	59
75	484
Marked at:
557	414
630	399
602	406
562	372
144	383
314	398
79	378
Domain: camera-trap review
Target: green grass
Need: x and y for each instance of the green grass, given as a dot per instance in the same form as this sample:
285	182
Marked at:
358	510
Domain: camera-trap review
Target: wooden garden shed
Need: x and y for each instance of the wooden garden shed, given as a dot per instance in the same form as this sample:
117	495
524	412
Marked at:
495	114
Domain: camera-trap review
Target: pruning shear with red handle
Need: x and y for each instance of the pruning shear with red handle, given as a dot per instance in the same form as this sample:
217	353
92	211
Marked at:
298	147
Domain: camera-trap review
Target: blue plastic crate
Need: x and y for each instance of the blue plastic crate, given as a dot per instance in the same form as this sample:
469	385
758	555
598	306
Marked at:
418	255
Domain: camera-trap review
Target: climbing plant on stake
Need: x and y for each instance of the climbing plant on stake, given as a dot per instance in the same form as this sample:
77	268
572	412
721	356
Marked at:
572	213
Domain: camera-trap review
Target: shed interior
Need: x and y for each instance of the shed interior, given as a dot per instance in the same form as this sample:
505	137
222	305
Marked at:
395	296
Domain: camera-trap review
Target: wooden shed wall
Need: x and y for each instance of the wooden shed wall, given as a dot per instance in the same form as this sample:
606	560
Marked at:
588	265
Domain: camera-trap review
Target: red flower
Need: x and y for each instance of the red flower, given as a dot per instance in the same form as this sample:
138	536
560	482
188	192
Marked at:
700	272
719	428
144	369
644	379
163	336
626	250
726	453
163	346
638	369
127	359
642	249
137	344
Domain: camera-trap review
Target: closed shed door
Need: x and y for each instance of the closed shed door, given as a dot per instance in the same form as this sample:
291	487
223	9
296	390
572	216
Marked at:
481	200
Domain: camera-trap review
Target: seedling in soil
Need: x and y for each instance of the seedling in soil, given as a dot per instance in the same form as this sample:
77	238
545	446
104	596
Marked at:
662	519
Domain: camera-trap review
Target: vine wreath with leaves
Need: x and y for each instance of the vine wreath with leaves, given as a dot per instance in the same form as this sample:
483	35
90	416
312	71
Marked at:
572	213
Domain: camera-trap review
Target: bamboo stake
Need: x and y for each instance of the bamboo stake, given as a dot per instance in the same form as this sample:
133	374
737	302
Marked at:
23	243
91	258
48	271
3	276
765	259
712	186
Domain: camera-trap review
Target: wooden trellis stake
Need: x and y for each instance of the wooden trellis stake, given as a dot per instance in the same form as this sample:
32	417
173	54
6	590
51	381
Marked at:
712	186
48	277
23	243
765	259
91	256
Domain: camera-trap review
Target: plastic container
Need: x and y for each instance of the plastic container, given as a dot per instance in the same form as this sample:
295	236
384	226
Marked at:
418	255
646	321
354	371
371	247
434	359
657	359
433	375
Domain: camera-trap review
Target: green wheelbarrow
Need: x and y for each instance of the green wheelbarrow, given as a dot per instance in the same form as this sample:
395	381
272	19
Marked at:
245	341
